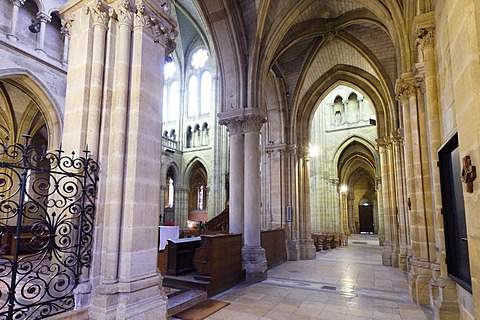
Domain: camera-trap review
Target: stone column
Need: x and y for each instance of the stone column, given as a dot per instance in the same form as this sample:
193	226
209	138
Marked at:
253	254
181	206
291	226
236	181
43	18
100	23
66	41
390	247
114	196
126	284
380	210
442	292
404	147
307	248
16	4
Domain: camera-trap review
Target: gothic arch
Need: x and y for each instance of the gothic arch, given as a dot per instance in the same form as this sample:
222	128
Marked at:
363	141
350	76
41	96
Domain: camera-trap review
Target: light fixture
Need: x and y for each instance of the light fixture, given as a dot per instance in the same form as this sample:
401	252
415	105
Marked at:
343	188
34	27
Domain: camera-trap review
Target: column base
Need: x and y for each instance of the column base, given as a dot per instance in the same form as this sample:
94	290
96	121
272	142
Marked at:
419	281
137	299
293	251
82	294
255	263
307	249
402	258
390	254
444	298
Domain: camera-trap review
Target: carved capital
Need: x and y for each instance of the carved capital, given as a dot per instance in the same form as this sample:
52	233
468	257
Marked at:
398	136
253	122
67	25
384	143
43	17
425	37
403	89
99	13
234	126
141	19
124	13
17	3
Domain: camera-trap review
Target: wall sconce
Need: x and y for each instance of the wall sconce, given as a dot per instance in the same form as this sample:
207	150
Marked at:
34	27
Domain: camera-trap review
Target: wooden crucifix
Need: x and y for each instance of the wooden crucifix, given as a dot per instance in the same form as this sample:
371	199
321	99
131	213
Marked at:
469	173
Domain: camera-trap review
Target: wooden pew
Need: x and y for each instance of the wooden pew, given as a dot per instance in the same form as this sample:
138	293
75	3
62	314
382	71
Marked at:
273	241
219	260
180	255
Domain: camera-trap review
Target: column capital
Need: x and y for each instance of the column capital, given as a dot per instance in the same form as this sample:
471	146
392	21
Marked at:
404	87
234	126
123	13
425	37
239	121
253	122
384	143
398	136
67	25
99	12
17	3
43	17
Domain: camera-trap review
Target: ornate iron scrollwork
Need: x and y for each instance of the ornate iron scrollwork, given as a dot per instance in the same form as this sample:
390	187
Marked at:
47	208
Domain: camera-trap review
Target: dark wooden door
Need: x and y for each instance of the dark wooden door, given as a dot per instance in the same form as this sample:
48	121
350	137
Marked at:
454	214
366	218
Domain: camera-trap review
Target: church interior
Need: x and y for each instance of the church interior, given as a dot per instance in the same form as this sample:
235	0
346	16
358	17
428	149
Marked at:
144	140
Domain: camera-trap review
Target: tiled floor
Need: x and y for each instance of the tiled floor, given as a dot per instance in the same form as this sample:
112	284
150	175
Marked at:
346	283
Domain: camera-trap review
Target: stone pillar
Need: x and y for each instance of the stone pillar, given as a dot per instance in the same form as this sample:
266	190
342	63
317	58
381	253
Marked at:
404	150
43	18
100	22
126	284
442	292
244	126
66	40
181	207
16	4
307	248
291	226
236	182
253	254
380	211
390	246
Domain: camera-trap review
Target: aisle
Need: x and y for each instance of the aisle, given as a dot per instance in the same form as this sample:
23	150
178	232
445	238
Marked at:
345	283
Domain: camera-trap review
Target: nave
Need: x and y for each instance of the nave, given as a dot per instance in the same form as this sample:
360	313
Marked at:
340	284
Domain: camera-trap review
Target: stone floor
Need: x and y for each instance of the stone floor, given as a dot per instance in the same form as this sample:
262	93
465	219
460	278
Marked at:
345	283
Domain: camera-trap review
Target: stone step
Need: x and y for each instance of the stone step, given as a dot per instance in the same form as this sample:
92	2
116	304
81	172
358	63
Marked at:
185	300
186	281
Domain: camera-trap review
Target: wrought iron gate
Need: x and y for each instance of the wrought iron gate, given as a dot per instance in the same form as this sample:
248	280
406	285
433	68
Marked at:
46	224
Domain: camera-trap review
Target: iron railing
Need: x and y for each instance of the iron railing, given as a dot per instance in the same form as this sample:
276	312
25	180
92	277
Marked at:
46	225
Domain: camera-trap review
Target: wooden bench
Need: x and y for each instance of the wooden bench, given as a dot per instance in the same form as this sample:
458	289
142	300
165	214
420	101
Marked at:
219	261
180	255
